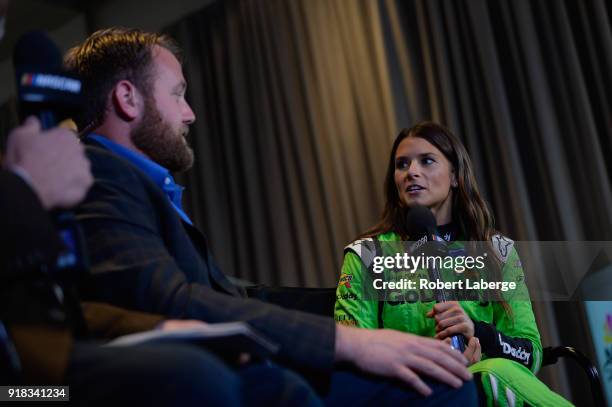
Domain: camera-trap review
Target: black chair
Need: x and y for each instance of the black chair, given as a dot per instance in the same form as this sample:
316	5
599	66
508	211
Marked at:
321	301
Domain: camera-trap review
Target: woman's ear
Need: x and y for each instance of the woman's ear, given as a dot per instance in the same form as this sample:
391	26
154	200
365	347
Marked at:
454	183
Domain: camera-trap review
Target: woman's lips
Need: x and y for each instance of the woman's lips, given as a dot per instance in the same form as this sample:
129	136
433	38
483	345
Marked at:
414	190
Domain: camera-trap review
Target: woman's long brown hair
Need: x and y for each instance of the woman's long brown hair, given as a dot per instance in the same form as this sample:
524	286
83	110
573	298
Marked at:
470	212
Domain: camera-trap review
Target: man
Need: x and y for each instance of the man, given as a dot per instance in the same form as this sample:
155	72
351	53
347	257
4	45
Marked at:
147	255
48	170
45	170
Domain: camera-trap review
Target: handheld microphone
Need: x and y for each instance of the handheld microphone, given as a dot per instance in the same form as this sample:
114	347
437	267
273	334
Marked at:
421	227
44	89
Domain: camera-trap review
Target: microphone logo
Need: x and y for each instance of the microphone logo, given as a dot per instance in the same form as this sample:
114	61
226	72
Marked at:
55	82
419	243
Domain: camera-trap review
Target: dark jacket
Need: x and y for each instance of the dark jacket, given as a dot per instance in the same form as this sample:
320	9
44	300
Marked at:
144	256
37	320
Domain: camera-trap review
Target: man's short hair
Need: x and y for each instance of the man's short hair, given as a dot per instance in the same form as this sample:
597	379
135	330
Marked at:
109	56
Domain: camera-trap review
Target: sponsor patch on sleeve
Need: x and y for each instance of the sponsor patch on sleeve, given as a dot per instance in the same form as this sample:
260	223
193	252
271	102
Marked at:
502	246
345	280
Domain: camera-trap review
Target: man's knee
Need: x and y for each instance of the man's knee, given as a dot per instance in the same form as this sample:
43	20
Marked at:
352	387
265	385
197	377
145	375
444	395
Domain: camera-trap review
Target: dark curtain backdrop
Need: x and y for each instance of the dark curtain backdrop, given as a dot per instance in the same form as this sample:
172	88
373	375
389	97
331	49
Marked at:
528	86
298	103
295	120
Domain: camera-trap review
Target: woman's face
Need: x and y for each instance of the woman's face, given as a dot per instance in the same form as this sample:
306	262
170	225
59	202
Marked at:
424	176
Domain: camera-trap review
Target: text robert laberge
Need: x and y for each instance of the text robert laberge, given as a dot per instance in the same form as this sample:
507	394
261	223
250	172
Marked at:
425	284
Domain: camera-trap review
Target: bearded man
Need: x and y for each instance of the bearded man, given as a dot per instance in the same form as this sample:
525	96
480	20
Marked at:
46	337
146	254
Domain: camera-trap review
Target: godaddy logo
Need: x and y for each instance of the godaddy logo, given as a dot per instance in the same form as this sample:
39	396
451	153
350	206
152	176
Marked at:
519	353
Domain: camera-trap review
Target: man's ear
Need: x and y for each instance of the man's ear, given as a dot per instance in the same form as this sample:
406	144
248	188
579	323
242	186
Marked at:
127	100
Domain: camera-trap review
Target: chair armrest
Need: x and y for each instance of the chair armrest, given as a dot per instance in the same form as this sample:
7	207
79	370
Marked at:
318	301
552	355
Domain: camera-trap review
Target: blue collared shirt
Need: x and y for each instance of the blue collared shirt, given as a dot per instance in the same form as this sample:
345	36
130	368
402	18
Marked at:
158	174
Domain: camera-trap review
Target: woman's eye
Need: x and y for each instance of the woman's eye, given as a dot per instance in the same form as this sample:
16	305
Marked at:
427	161
402	163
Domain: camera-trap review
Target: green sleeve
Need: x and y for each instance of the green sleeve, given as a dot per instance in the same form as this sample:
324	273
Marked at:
350	308
520	323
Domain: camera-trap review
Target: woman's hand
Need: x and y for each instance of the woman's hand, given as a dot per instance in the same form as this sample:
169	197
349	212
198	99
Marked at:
473	352
451	320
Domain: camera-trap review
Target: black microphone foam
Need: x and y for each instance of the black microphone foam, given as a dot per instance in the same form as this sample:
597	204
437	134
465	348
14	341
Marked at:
420	222
36	50
421	228
45	90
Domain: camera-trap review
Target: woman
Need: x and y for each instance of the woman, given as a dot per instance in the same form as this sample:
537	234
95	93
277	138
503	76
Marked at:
430	167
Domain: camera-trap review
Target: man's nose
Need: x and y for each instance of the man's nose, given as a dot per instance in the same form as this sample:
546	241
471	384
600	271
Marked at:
188	115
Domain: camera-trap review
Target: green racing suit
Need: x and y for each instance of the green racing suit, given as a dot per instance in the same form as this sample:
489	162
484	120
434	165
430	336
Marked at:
510	341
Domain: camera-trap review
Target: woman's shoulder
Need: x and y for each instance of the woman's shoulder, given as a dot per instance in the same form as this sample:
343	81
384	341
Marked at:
383	237
368	244
503	246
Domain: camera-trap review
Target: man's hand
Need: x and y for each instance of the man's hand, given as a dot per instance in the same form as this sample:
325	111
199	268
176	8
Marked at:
401	356
53	162
180	324
451	320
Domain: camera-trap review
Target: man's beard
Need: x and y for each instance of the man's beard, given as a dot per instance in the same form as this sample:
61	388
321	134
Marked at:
160	142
